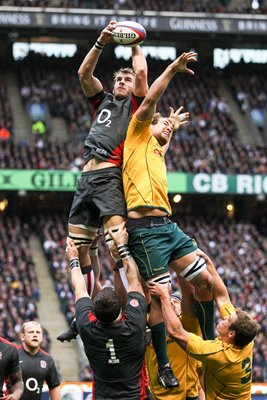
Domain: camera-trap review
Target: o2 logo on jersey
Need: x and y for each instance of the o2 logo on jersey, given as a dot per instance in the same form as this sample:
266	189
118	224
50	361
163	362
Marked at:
104	117
32	385
43	364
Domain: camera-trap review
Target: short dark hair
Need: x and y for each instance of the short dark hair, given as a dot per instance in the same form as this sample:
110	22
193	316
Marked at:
125	71
107	305
245	327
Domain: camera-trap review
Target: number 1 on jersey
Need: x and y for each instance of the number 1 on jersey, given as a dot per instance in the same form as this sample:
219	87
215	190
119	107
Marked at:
111	347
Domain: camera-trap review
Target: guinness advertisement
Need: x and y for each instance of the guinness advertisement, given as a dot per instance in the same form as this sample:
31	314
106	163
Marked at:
176	22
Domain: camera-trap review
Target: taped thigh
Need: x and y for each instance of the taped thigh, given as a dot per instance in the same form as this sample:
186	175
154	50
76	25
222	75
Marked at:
193	269
162	279
84	238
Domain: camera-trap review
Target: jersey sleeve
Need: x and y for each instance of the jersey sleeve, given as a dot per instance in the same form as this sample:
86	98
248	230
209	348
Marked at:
227	310
13	365
97	99
136	102
137	132
202	350
52	378
83	309
136	311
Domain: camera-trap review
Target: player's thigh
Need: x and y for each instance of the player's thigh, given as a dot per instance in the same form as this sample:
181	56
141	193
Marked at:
151	249
84	212
184	249
109	197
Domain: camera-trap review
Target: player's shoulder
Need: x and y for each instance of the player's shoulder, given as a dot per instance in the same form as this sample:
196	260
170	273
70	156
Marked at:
7	343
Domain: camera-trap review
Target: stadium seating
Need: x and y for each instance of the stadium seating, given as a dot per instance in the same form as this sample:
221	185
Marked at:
6	119
19	285
214	6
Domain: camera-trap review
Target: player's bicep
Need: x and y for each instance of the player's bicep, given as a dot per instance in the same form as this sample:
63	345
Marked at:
91	86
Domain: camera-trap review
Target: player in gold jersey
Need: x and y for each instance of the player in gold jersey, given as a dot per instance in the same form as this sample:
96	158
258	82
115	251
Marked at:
227	360
155	241
184	366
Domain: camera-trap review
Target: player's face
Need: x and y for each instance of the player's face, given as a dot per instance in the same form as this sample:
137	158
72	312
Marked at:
32	336
162	131
223	327
124	85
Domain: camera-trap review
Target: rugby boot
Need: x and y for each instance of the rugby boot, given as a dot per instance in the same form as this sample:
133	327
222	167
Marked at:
70	333
166	377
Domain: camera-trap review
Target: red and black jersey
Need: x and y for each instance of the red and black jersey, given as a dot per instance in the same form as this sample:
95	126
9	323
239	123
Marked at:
35	370
115	351
109	127
9	361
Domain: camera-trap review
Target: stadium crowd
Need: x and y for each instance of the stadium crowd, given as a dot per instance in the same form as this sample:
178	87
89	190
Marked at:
18	280
214	6
208	144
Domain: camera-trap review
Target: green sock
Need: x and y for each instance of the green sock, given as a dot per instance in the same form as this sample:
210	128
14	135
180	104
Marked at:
159	342
205	314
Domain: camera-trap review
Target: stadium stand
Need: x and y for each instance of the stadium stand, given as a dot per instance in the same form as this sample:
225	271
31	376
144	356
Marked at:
19	285
249	86
6	119
208	6
209	144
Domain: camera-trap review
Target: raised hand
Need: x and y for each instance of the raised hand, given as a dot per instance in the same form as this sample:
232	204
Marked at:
157	289
106	35
121	236
71	249
180	64
177	118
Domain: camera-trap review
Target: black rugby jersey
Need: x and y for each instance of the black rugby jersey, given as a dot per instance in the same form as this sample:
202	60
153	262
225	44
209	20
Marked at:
109	127
9	361
115	351
35	370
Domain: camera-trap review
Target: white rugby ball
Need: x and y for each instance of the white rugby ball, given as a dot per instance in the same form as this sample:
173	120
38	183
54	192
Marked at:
129	33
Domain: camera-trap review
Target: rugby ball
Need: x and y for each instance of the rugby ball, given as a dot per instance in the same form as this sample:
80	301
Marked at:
129	33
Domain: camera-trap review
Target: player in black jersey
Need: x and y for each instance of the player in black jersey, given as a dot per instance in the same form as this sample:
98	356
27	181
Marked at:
99	197
10	372
114	341
37	366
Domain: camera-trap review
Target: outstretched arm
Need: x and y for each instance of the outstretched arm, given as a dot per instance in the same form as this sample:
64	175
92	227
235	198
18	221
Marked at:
220	292
93	252
17	386
90	84
172	322
148	106
139	65
77	278
131	270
